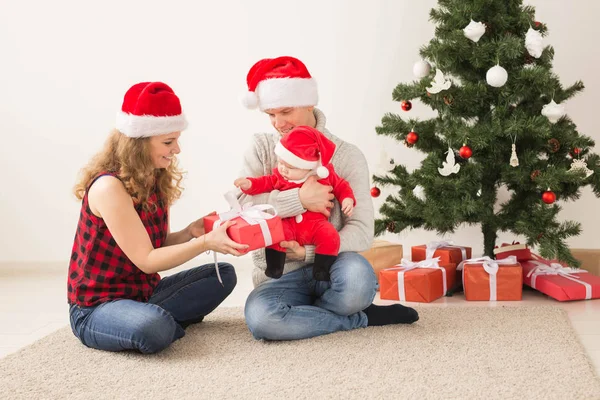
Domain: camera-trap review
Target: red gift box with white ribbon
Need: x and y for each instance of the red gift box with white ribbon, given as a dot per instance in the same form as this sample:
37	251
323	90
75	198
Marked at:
558	281
519	250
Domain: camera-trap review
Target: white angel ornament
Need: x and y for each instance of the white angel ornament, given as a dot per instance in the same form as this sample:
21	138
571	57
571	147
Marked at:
449	166
439	83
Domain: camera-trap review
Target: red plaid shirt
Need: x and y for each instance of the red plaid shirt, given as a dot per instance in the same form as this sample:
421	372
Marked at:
99	270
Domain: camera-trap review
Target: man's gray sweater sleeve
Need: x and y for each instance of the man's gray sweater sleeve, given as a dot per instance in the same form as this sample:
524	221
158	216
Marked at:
358	230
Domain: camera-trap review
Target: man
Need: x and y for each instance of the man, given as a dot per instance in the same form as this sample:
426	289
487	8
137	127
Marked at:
296	306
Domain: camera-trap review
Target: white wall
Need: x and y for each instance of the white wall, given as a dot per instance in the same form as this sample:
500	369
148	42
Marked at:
66	65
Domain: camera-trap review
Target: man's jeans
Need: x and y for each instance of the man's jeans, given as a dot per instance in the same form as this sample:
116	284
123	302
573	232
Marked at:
296	306
178	300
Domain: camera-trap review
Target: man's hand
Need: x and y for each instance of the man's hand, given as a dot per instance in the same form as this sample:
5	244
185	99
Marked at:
316	197
294	251
243	183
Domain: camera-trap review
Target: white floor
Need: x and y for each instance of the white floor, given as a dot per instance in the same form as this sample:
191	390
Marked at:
33	304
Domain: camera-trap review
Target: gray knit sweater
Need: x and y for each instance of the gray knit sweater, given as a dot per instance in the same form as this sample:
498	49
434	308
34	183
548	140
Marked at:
356	232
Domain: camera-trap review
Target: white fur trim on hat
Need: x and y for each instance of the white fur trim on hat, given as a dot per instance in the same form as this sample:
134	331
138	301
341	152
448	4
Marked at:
293	159
249	100
137	126
287	92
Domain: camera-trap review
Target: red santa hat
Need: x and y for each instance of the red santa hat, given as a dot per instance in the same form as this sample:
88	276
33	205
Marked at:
307	148
280	82
150	109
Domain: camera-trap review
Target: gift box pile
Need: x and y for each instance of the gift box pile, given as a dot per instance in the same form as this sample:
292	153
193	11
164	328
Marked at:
429	276
436	267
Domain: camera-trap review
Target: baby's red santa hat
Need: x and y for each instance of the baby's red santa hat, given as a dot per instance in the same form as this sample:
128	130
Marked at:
280	82
306	148
150	109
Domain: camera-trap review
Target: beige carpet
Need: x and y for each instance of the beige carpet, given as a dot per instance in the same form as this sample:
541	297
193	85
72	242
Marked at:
451	353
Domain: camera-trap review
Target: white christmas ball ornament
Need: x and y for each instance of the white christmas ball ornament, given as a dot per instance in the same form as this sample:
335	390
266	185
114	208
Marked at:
474	31
421	69
553	111
496	76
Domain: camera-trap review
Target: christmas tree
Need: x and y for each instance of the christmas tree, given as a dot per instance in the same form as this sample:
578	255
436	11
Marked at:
500	121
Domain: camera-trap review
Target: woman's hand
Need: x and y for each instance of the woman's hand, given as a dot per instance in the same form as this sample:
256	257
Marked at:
196	228
243	183
218	240
294	251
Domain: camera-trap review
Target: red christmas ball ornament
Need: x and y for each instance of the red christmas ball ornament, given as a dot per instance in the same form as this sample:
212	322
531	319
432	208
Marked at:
576	151
406	105
375	192
412	137
537	24
548	197
465	152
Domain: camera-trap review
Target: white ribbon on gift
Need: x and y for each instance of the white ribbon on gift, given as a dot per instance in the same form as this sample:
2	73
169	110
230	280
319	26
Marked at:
491	267
406	265
558	269
253	215
433	246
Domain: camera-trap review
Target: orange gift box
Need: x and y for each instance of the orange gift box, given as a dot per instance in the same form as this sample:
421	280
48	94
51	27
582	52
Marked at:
421	284
485	279
448	254
251	234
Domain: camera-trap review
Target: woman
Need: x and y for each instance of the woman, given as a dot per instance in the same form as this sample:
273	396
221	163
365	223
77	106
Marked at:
117	299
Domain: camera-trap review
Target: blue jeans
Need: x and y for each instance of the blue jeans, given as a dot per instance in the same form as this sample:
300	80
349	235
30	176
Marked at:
178	301
296	306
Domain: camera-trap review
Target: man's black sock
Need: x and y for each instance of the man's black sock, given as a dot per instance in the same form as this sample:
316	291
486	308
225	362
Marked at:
394	314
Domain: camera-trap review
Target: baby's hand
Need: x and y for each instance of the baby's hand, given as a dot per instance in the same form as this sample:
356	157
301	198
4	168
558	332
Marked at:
348	206
243	183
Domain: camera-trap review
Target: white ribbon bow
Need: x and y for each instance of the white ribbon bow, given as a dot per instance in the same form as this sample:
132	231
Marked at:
406	265
253	215
433	246
491	267
558	269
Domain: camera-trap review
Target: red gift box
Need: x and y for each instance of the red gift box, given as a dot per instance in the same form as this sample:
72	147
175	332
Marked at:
448	253
485	279
560	282
252	226
421	282
521	251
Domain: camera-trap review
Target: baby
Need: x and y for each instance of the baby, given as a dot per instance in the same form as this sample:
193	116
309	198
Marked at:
302	152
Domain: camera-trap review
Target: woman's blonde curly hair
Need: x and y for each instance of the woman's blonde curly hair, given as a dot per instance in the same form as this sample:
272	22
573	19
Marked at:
130	159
